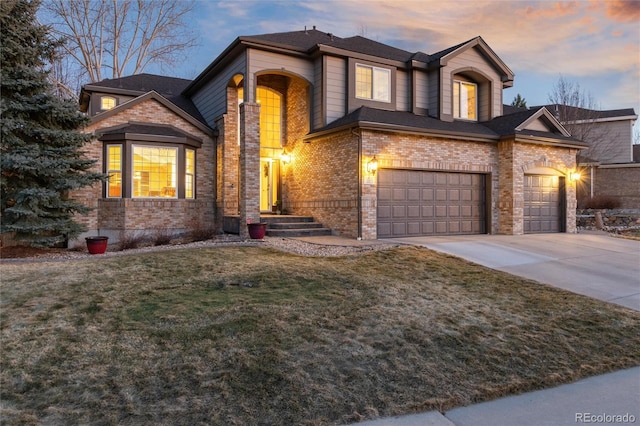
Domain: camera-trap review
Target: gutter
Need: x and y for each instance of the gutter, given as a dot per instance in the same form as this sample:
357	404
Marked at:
359	197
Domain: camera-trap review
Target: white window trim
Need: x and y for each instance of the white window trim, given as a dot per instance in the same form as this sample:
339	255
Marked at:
457	100
373	83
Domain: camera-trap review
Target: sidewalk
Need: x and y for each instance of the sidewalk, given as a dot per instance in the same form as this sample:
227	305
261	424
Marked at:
612	398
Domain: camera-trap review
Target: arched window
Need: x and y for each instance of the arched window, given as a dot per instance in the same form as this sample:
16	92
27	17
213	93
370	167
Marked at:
270	117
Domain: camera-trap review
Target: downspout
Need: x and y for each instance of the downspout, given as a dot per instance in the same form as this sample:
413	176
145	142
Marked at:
359	197
591	182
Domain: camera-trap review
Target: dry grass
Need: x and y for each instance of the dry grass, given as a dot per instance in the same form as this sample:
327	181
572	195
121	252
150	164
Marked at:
244	335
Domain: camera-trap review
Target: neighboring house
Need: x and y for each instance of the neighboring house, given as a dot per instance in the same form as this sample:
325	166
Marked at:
607	166
371	140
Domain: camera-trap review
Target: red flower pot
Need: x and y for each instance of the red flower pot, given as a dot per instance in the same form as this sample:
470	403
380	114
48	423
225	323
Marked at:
257	230
97	245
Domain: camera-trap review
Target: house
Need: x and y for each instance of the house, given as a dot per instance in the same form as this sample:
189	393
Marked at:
368	139
608	166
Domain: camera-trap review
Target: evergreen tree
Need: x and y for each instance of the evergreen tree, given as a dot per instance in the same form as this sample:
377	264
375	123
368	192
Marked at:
40	160
519	102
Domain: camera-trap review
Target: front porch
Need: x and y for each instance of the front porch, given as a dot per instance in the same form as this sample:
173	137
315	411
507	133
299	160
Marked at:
279	225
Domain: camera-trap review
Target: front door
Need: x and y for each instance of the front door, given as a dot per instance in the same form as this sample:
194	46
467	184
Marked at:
268	184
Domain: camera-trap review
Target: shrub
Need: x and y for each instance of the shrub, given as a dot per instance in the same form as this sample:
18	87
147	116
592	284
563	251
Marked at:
202	233
162	237
602	202
130	239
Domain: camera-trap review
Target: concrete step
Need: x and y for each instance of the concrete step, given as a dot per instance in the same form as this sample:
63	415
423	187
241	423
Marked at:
298	232
278	218
294	225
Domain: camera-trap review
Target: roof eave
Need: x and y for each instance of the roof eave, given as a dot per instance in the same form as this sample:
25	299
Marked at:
371	125
158	97
546	141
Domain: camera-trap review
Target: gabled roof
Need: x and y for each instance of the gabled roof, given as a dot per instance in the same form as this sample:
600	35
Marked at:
308	41
443	57
513	125
158	97
592	114
170	88
142	83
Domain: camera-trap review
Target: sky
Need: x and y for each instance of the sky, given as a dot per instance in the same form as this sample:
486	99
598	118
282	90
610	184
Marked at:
595	44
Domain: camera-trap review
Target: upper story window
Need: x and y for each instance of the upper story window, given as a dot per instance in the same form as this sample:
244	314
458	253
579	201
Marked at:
107	103
373	83
465	100
270	117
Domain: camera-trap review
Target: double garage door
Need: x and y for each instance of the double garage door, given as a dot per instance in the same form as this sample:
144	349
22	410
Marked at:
415	203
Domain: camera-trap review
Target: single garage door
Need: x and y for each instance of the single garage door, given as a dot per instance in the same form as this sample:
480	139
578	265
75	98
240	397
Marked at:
543	204
419	203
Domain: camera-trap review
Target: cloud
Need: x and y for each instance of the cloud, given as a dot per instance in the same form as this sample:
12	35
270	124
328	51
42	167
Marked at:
622	11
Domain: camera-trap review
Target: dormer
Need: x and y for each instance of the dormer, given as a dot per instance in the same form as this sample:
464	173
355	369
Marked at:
471	78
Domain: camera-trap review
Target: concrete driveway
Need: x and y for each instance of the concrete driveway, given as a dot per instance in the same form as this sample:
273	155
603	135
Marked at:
589	263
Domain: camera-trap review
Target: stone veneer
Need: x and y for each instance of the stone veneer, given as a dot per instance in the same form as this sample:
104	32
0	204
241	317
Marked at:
111	216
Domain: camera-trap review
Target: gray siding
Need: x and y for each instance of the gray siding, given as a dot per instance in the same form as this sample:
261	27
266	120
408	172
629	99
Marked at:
433	94
211	99
403	91
611	141
267	61
336	91
422	90
317	114
471	58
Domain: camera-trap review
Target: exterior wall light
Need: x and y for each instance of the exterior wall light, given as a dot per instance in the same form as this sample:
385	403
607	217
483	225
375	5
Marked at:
372	165
574	176
286	158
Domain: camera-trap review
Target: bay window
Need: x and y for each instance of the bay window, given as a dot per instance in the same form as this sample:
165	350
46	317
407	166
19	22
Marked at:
154	172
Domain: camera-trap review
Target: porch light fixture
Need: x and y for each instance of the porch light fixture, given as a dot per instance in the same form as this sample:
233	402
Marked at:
574	176
372	165
286	158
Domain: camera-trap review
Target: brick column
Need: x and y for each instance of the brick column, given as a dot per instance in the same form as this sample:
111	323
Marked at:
249	165
510	191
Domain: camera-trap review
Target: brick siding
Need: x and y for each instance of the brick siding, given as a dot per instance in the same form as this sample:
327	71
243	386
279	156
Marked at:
111	216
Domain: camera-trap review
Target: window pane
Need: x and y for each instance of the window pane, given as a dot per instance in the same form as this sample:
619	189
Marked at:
154	171
270	117
364	82
465	100
470	100
190	171
114	170
381	83
107	102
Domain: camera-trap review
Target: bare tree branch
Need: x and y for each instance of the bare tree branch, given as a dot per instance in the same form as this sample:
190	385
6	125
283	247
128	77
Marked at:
121	37
578	112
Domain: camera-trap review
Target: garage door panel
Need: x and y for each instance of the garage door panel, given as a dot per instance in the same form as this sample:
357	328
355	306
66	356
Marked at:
414	203
542	204
413	194
413	211
413	228
399	212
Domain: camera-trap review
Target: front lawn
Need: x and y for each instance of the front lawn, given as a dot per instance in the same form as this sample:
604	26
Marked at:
248	335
